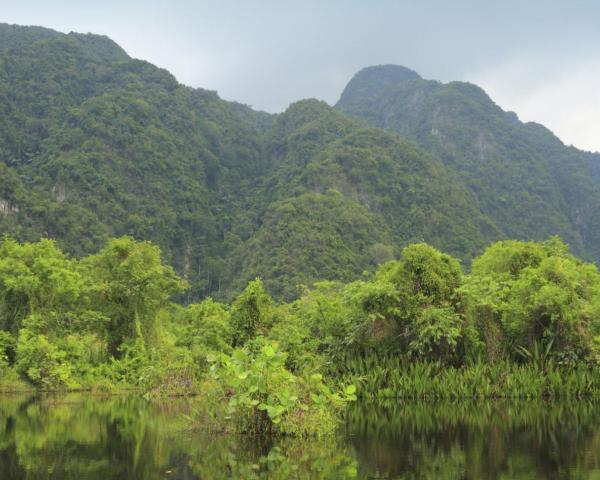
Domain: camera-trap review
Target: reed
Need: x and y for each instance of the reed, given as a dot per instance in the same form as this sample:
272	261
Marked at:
398	377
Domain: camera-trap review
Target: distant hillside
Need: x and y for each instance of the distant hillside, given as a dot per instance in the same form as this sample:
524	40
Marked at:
94	144
339	197
525	179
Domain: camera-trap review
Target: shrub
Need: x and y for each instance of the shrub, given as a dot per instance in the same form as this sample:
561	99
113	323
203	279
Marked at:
205	328
42	362
537	297
8	347
251	312
264	397
437	335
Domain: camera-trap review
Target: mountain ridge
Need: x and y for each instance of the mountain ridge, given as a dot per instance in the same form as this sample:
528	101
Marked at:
96	144
487	146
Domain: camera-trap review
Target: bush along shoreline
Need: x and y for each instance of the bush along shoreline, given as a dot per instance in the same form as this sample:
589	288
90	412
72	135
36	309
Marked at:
523	322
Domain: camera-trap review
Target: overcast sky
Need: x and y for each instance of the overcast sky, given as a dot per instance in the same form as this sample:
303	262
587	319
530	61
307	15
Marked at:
540	59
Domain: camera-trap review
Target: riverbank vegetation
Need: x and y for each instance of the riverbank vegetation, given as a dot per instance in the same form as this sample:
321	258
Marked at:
524	322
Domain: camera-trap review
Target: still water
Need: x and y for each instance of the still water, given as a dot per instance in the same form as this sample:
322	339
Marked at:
86	437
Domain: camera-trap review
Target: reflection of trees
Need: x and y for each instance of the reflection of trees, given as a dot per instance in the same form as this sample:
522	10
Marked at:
255	457
477	440
81	438
9	461
123	438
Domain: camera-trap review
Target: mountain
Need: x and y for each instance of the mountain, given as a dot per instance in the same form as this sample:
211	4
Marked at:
95	144
525	179
339	197
593	163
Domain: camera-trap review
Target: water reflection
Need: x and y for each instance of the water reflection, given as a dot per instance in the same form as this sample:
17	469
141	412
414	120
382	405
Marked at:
477	440
87	437
84	437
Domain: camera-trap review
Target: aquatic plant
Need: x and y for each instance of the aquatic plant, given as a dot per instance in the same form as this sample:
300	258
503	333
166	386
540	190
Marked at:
262	396
397	377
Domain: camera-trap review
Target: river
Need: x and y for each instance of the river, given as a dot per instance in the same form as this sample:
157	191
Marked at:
93	437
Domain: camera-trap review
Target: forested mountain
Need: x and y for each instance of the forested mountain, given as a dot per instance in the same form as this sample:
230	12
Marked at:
339	197
95	144
525	179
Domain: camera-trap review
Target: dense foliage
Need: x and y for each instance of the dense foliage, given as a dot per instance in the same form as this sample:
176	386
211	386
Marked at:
284	259
95	145
342	197
523	322
525	180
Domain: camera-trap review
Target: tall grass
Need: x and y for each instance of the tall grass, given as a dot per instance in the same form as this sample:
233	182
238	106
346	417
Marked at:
397	377
10	381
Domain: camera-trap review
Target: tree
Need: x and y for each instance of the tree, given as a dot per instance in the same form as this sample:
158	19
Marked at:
132	285
538	297
251	312
37	278
413	306
205	327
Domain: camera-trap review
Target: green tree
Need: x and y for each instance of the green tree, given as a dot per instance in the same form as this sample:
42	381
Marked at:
251	312
37	278
132	284
536	297
413	306
204	328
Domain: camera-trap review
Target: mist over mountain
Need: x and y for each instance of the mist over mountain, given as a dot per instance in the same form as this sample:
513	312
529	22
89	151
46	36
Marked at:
95	144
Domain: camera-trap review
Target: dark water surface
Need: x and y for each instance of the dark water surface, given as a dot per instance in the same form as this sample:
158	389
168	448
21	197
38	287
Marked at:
86	437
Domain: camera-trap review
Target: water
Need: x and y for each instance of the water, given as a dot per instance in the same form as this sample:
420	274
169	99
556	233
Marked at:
87	437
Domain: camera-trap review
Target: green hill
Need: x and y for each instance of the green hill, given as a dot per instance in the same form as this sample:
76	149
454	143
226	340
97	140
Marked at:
338	197
525	179
95	144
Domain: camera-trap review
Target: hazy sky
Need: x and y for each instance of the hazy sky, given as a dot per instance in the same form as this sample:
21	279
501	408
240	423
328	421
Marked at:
540	59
